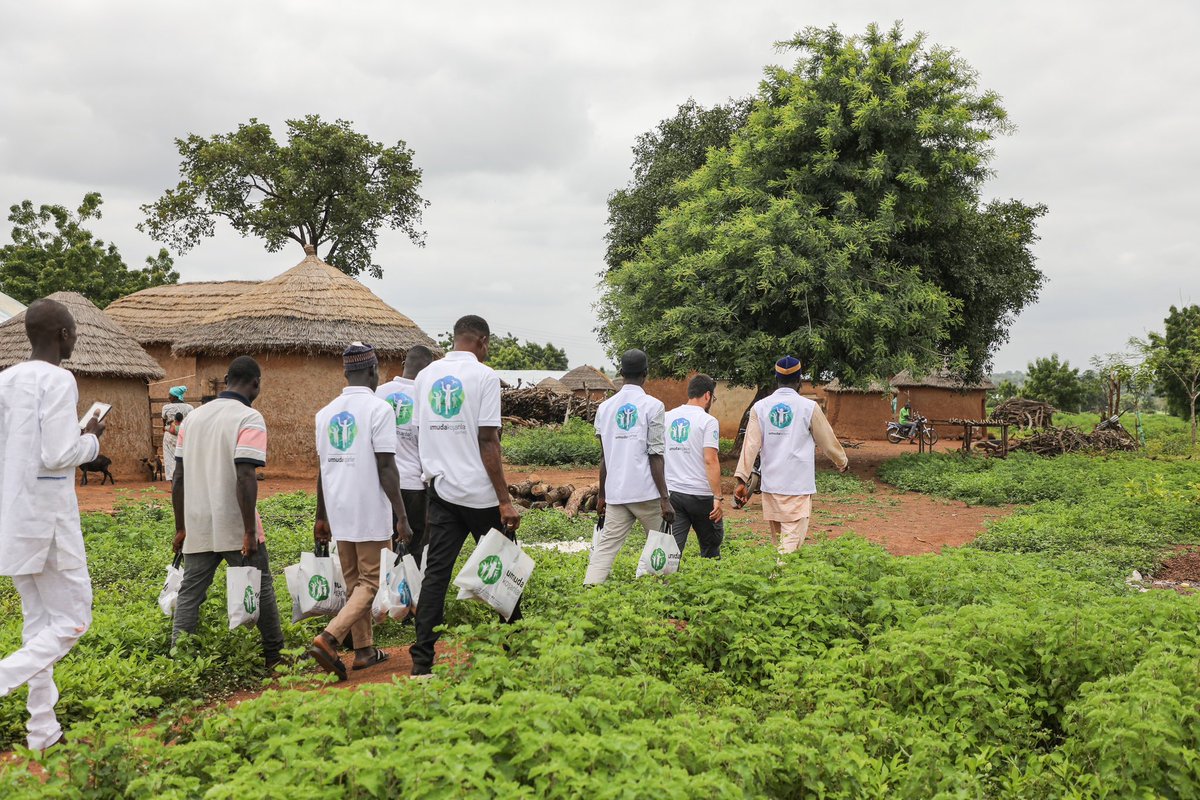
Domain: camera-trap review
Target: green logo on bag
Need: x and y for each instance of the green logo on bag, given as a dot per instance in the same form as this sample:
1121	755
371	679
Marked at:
318	588
249	601
490	569
658	559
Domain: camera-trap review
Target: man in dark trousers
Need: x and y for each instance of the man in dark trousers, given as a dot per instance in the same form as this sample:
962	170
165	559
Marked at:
400	393
458	413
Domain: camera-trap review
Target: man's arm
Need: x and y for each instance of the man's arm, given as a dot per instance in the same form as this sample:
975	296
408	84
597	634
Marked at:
247	497
751	447
827	440
712	465
600	501
389	480
321	531
177	505
63	447
489	451
656	446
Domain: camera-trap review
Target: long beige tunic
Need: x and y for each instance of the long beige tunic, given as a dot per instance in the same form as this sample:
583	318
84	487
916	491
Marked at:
782	507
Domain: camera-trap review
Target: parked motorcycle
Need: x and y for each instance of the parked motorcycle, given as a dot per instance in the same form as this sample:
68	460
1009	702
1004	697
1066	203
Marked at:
919	426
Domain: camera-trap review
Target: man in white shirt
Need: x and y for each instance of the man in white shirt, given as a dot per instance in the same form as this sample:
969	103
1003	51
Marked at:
220	448
41	542
400	393
693	442
786	428
458	412
358	503
633	484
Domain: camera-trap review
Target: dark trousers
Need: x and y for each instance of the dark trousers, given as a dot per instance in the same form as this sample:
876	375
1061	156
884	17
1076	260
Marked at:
448	526
415	507
691	511
198	572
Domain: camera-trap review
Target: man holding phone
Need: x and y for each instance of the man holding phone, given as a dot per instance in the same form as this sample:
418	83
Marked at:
41	541
458	414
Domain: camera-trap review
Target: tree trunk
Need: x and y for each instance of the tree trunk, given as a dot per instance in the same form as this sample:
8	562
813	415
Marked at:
1193	410
762	392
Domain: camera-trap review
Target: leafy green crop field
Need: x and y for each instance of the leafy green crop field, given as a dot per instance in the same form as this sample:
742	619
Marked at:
572	444
1020	668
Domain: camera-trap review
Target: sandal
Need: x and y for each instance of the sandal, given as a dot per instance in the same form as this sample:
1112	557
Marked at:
378	657
325	655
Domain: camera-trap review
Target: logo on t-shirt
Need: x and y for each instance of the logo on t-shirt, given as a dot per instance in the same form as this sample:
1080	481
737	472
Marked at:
342	431
681	429
402	404
490	570
781	415
447	397
627	416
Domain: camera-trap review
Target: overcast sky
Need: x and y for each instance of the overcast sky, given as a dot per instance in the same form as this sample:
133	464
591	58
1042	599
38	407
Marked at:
522	116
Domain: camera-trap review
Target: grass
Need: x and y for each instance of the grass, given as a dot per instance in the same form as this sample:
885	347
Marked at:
572	444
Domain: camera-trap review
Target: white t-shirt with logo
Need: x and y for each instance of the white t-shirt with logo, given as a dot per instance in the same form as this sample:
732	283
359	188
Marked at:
788	450
457	396
690	431
630	426
400	394
350	431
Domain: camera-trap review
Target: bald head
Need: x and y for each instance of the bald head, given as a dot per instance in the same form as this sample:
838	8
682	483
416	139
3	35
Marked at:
416	359
51	330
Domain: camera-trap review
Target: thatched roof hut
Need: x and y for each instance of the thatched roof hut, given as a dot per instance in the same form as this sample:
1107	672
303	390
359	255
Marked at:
942	395
108	365
858	412
9	307
554	385
313	308
158	316
587	381
942	379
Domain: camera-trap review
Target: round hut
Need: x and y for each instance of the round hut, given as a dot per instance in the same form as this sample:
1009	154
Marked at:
553	385
941	395
109	366
588	382
296	326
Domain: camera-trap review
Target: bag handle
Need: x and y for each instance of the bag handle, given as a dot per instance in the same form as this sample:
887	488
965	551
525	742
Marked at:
666	527
178	560
321	550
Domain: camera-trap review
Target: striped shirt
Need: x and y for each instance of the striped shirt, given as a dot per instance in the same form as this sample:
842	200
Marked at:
213	440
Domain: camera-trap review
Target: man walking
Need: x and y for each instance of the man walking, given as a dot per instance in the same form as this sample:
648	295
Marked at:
786	429
215	493
693	467
458	413
41	542
633	483
400	393
358	497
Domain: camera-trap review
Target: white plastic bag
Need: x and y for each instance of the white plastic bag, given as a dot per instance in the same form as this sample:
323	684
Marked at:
295	589
660	556
414	578
242	589
393	599
322	590
496	573
170	591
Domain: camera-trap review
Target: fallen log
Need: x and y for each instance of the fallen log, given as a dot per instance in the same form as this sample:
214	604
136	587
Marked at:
578	497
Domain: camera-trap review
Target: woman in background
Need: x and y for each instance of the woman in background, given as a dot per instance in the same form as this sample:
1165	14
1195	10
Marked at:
173	414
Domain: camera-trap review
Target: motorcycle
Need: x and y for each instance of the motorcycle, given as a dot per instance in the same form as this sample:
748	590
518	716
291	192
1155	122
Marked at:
918	426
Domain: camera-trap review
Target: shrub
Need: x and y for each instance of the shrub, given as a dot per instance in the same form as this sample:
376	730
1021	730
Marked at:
553	445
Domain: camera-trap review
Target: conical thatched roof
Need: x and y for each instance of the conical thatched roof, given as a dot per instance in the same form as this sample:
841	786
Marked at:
162	314
312	308
938	380
588	376
9	308
554	385
104	348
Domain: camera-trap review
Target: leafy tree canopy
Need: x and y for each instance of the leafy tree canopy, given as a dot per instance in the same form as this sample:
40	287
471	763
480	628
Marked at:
843	224
52	251
1181	327
508	352
1055	382
329	185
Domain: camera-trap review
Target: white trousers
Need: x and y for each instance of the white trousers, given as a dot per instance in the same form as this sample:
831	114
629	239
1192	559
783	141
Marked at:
57	606
793	534
168	457
618	522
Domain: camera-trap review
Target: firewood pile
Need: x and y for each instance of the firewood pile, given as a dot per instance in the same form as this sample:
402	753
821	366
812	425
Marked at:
1025	413
543	406
535	494
1058	441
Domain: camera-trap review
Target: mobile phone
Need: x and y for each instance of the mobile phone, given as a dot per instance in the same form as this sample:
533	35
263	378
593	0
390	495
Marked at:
97	408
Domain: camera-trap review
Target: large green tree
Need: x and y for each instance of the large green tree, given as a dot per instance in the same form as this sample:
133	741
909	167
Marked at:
509	352
843	223
1179	329
1055	382
53	251
328	185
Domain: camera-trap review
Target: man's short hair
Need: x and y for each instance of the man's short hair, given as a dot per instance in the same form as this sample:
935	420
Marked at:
418	356
701	385
472	324
243	369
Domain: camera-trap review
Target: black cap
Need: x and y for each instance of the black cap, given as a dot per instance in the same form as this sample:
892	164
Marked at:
634	362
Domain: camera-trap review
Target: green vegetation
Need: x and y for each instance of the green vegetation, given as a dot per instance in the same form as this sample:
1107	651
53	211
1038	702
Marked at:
574	443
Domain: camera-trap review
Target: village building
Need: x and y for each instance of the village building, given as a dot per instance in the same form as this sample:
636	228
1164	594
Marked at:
526	378
109	366
296	326
858	412
589	383
942	396
553	385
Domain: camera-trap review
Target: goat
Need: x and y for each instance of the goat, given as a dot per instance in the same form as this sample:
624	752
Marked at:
154	468
99	464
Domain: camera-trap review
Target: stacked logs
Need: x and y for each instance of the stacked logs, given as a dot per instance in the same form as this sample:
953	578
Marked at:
544	406
535	494
1059	441
1024	413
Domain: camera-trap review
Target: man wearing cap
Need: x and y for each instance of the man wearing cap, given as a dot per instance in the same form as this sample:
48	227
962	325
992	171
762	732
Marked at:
633	483
693	468
458	413
358	497
172	417
400	393
786	429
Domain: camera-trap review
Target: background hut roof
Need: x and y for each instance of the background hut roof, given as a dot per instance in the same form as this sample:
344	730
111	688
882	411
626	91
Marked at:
104	349
576	379
939	380
9	307
161	314
554	385
874	387
312	308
